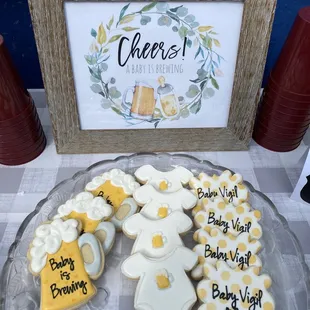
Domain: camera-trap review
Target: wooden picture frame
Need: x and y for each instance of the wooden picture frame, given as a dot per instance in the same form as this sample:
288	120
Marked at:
49	24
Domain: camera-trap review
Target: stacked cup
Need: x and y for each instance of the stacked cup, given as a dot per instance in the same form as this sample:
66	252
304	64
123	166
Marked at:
284	114
21	135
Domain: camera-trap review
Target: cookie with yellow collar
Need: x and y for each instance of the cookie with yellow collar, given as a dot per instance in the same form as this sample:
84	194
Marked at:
92	212
117	188
66	264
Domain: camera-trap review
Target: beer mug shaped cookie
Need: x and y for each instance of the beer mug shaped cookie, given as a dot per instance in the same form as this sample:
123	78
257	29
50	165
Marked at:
158	205
156	238
66	264
169	181
226	185
238	251
163	283
228	218
226	288
91	212
116	188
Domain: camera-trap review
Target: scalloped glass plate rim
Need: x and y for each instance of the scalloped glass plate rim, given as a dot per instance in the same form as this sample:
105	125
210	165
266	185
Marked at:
26	221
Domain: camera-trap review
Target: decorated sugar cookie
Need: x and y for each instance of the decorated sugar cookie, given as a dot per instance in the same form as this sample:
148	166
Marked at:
235	251
66	264
117	188
228	218
156	238
226	288
163	283
90	211
158	205
169	181
226	185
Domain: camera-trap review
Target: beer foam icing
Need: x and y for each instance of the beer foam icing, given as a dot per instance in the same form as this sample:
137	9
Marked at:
118	178
96	208
48	240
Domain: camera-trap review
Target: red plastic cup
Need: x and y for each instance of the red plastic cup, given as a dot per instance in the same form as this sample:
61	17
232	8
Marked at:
300	98
13	96
22	116
31	143
273	146
26	157
277	106
293	66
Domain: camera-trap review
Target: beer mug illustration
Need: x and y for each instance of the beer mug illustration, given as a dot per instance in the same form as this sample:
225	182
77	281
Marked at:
158	240
66	264
143	101
163	279
169	103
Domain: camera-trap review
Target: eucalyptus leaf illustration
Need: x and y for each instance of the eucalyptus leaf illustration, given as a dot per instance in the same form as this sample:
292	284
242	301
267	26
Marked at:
129	28
94	73
90	59
127	19
93	79
110	22
104	67
102	35
164	21
217	42
193	91
173	16
123	11
185	113
194	25
115	38
148	7
189	18
174	10
145	20
190	33
195	108
114	93
175	29
96	88
106	103
183	32
205	28
189	43
162	6
182	11
214	83
208	93
93	33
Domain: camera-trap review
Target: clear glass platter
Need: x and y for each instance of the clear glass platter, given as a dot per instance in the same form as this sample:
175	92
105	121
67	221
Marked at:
289	272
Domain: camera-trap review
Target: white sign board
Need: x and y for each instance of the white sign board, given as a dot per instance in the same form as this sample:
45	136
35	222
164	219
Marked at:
153	65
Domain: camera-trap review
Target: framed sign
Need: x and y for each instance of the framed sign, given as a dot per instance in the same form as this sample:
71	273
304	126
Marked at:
152	76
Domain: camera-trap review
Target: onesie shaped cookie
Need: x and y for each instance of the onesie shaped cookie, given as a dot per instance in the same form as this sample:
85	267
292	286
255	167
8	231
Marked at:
163	282
158	204
228	218
169	181
227	186
235	251
225	288
91	212
66	264
156	238
117	188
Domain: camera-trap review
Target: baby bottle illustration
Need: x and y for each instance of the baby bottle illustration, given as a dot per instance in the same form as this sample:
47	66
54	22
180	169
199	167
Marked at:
169	103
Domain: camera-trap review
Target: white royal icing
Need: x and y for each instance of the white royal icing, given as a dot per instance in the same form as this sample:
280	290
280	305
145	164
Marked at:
235	251
93	269
152	200
109	229
96	208
118	178
226	185
168	229
180	293
225	288
48	240
133	209
175	178
228	218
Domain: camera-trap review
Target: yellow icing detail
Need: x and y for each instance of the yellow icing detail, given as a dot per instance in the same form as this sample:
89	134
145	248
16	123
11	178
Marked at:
242	247
222	244
206	184
162	281
201	260
224	184
112	194
233	178
212	282
215	177
256	270
203	240
252	260
88	225
240	210
257	214
211	306
163	185
200	218
202	293
205	201
162	212
225	275
221	205
207	229
77	276
247	220
157	241
214	233
229	216
256	232
247	280
267	283
268	306
241	186
255	291
197	209
206	271
235	288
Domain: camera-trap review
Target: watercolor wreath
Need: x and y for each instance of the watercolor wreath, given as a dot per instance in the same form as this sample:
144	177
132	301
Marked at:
203	86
